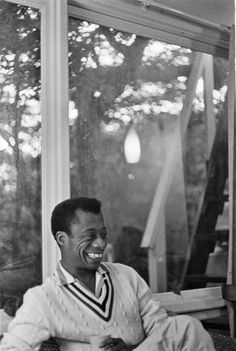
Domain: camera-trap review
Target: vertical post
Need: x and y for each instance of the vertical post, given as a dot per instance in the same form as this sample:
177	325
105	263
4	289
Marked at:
157	260
209	106
231	278
55	127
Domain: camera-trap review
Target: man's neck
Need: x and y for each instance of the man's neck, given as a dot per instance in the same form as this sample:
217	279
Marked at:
87	277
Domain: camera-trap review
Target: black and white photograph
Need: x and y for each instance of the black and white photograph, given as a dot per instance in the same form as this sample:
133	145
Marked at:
117	175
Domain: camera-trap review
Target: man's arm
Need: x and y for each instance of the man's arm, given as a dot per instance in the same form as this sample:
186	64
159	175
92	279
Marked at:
29	328
152	314
165	332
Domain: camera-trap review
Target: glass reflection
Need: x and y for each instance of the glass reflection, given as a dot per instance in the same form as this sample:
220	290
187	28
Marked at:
174	98
20	146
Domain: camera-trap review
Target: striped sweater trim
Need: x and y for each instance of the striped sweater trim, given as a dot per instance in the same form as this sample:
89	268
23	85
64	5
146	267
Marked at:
101	307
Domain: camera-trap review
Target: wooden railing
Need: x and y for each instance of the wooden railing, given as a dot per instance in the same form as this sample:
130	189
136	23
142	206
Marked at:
199	303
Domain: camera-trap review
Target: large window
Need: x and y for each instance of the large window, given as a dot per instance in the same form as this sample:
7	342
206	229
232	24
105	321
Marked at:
148	137
20	146
144	135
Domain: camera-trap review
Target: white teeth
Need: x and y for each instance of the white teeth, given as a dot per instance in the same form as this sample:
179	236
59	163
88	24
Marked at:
94	256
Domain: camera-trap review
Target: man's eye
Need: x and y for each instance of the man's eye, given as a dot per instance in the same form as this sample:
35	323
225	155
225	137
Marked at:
90	235
104	235
93	234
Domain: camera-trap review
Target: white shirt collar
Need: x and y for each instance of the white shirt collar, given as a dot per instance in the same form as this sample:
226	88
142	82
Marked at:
67	278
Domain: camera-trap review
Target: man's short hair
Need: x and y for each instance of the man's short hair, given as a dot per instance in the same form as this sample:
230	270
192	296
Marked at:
64	213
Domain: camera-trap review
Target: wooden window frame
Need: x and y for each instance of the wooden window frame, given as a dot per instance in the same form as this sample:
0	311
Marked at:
155	21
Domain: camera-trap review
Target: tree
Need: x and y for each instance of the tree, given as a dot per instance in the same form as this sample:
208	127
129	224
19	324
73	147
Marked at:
119	80
20	125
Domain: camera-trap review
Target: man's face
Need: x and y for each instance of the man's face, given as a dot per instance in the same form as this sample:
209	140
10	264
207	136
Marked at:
87	241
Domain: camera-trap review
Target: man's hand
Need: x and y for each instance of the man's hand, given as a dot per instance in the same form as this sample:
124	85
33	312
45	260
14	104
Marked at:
114	344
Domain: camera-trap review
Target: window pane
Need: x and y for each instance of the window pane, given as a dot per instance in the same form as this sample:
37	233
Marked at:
143	130
20	145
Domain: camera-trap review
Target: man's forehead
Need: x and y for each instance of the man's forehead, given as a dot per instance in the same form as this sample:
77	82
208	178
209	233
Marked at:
81	216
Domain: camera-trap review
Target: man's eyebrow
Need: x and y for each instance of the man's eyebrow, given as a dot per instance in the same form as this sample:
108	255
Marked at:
88	229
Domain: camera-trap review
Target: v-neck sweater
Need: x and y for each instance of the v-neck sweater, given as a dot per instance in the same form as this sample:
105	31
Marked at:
68	278
70	313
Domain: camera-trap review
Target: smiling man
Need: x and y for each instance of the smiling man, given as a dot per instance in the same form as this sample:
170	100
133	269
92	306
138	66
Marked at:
89	301
79	230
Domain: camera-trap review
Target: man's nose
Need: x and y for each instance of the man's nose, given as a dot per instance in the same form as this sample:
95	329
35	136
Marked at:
99	241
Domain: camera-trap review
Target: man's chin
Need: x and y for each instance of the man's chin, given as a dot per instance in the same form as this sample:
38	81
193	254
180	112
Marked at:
92	264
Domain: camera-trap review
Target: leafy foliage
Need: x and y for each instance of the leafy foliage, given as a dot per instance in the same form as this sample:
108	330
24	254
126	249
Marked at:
117	81
19	133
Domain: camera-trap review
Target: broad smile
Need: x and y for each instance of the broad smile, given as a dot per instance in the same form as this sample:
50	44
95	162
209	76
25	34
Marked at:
94	255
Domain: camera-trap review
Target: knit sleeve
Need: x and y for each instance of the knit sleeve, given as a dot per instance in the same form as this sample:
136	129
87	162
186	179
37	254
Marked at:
29	328
150	311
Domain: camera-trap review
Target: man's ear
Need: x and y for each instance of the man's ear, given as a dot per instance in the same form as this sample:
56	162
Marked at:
61	238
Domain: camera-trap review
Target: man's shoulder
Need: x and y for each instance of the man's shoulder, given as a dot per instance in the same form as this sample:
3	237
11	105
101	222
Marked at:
48	284
120	268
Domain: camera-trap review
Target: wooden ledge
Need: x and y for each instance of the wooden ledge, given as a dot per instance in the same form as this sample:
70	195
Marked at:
199	303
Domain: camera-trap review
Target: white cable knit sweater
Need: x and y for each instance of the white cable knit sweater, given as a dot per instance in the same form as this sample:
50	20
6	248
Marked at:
123	309
51	310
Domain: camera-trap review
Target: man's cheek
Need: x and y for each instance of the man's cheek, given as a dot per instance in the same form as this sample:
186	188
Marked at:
80	245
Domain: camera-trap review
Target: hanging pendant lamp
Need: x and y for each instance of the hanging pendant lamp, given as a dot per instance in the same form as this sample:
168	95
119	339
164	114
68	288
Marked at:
132	147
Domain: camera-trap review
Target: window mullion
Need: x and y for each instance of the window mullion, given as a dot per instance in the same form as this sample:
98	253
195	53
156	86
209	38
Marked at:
55	133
